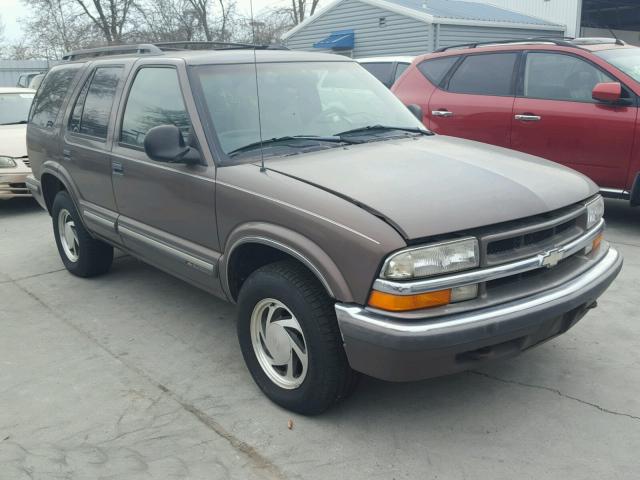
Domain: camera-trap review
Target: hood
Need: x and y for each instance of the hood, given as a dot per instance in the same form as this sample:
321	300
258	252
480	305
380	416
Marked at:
13	140
435	185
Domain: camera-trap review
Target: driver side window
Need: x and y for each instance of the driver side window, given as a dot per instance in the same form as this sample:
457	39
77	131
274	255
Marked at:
155	99
554	76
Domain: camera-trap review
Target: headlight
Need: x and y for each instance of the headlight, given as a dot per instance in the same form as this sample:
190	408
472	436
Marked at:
436	259
595	211
7	162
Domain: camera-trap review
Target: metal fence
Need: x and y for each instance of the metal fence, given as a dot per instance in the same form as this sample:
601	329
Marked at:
10	70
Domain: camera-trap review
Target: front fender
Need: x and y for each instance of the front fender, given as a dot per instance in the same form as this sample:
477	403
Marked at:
292	243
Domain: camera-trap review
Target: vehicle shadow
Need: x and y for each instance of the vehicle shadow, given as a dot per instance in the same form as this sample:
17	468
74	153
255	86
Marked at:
18	206
623	222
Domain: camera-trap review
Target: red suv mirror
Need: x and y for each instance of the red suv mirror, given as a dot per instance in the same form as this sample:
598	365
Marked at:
607	92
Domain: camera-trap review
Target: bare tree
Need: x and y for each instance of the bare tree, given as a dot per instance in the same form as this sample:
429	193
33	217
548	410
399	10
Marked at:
301	9
57	26
215	17
109	16
165	20
267	28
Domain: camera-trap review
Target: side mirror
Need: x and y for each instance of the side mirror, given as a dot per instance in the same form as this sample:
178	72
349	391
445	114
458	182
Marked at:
416	110
607	92
165	143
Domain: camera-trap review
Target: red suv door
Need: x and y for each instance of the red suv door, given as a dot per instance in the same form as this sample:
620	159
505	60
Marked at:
476	99
555	117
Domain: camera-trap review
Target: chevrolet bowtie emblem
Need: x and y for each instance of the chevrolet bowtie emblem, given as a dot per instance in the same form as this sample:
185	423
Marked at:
551	258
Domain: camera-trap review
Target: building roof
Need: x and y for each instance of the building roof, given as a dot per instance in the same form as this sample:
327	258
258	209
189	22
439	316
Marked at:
452	12
463	10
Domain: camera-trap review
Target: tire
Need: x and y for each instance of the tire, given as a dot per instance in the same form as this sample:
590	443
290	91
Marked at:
81	254
327	377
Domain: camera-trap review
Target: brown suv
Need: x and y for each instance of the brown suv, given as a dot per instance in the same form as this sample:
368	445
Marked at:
298	186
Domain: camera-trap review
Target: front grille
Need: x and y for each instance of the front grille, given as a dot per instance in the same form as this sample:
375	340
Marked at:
528	237
26	161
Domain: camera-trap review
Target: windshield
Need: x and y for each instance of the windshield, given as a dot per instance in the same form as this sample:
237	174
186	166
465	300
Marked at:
14	107
297	99
625	59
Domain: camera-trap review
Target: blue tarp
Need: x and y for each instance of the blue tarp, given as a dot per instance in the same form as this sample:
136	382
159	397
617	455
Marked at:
343	39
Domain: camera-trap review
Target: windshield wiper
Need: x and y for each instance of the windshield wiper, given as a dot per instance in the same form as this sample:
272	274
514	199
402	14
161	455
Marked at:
282	140
375	128
21	122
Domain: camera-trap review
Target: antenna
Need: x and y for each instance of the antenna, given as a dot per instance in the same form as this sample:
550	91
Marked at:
255	68
618	41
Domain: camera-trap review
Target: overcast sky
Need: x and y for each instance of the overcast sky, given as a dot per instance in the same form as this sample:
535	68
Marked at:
12	10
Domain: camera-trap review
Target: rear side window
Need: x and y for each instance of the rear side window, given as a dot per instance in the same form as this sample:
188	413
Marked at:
554	76
488	74
400	70
383	71
93	106
51	95
435	70
155	99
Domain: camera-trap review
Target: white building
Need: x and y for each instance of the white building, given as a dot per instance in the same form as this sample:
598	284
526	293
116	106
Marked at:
583	17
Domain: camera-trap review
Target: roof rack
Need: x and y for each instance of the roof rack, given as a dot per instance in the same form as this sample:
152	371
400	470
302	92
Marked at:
598	41
159	47
111	50
214	46
560	41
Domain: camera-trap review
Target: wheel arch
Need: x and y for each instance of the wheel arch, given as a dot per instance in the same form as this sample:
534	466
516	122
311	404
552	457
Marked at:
255	245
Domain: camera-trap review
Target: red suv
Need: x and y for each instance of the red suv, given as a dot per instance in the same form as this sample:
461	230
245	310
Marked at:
571	101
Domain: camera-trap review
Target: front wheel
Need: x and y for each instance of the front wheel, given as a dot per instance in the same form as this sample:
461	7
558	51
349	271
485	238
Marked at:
81	254
290	339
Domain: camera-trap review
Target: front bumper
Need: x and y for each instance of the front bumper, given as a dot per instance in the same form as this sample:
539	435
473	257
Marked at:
389	349
13	185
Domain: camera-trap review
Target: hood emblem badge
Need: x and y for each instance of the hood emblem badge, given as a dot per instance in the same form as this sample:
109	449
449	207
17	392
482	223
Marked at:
551	258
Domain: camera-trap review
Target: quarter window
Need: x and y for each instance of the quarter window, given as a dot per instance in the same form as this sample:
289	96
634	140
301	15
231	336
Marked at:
435	70
400	70
383	71
488	74
51	94
155	99
555	76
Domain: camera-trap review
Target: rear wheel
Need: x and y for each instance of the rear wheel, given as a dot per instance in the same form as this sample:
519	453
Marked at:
81	254
290	339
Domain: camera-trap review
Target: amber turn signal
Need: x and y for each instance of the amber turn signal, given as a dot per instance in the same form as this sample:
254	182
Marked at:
405	303
597	242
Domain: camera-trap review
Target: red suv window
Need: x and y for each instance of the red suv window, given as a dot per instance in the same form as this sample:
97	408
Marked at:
488	74
435	70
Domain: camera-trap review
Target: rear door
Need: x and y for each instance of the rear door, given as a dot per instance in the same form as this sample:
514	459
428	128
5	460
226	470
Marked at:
475	100
555	117
87	141
167	210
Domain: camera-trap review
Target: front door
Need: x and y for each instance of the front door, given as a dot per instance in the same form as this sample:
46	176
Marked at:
167	210
555	117
477	100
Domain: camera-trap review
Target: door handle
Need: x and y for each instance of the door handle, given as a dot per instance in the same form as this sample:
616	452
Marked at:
117	168
442	113
528	118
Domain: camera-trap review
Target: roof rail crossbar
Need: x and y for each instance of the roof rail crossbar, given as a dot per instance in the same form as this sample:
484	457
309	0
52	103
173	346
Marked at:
159	47
188	45
560	41
111	50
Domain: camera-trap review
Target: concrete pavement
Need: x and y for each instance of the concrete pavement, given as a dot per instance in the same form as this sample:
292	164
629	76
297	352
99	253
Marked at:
138	375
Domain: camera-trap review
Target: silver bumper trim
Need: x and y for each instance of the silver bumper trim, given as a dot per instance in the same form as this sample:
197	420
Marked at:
492	273
360	315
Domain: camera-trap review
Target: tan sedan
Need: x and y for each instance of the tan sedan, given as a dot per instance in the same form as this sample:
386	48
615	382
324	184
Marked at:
14	163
